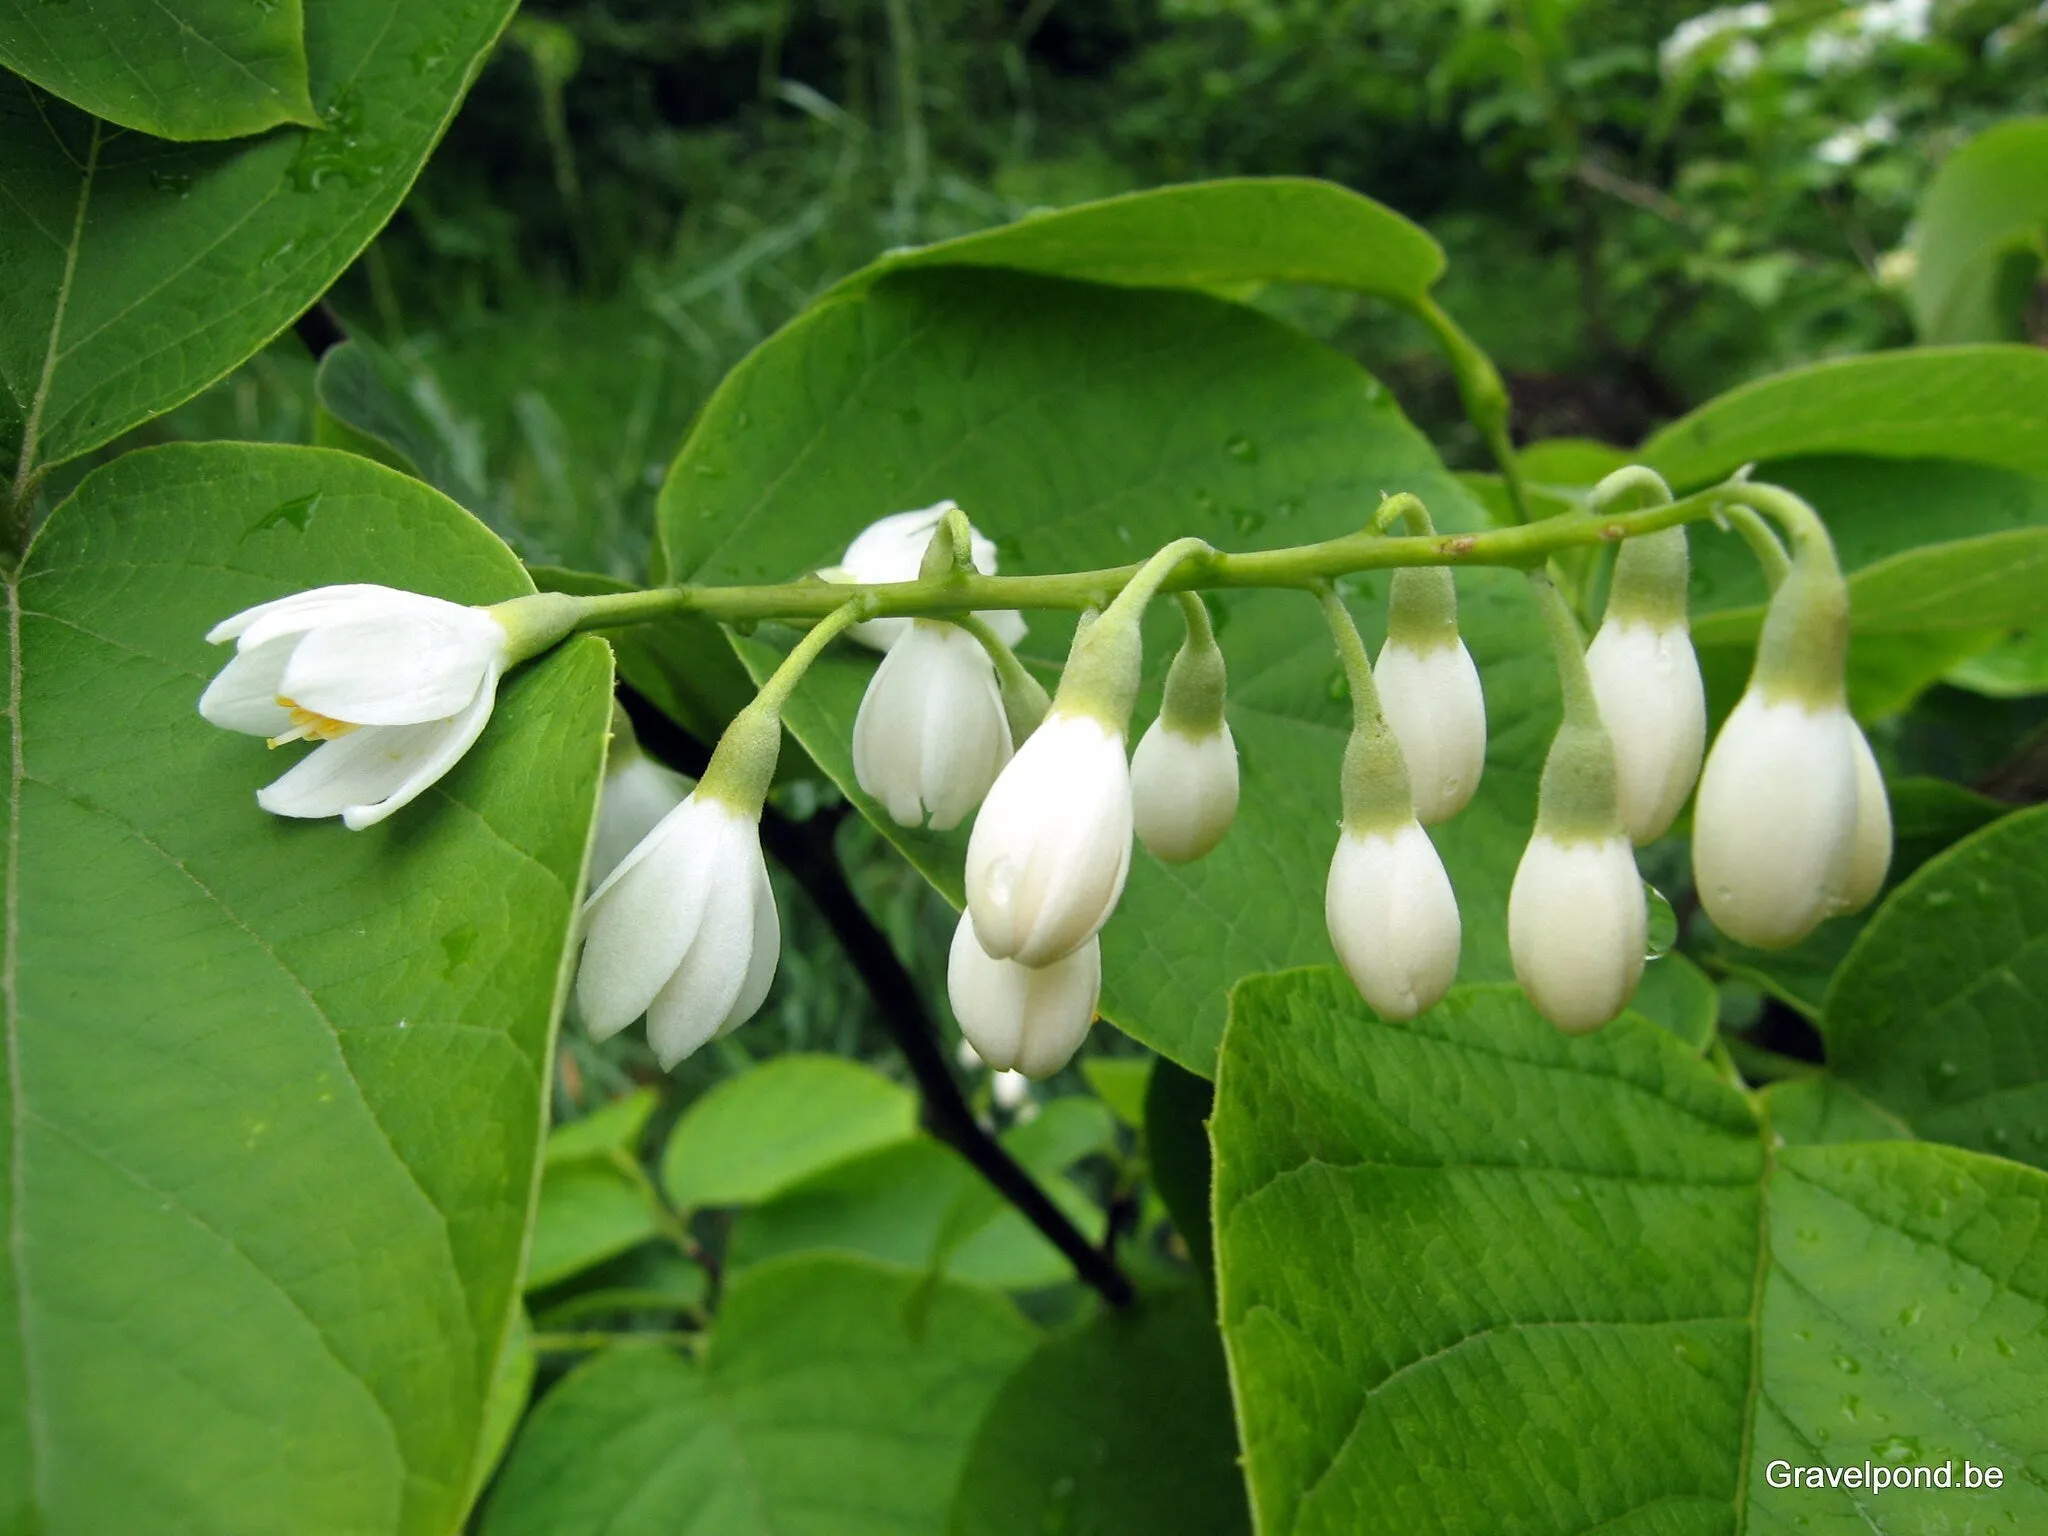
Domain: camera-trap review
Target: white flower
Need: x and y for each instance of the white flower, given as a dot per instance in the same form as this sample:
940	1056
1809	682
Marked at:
395	685
1393	919
1052	845
684	930
1870	857
638	792
1433	702
1646	680
1021	1018
1578	928
1773	828
1183	791
1695	32
931	734
1011	1090
892	549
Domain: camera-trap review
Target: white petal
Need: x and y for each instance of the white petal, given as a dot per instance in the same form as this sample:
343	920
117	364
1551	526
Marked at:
1184	791
885	749
640	923
366	775
697	998
397	668
1577	929
1393	919
1646	680
637	794
243	697
301	611
1018	1018
892	549
1434	703
1871	854
767	952
1059	1009
439	754
965	734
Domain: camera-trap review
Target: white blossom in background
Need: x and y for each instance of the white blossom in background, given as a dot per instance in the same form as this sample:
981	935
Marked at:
892	549
1846	146
1023	1019
684	930
1052	845
1696	32
931	735
395	686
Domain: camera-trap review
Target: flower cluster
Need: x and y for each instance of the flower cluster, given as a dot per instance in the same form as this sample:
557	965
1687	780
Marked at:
1790	824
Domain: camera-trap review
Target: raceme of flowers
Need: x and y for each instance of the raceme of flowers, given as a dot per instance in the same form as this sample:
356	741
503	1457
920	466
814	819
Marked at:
1790	821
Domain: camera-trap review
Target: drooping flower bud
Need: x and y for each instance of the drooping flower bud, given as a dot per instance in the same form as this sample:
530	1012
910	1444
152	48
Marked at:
1392	916
1578	923
1429	689
1775	844
1184	774
931	735
1646	679
1022	1018
893	549
637	793
1052	845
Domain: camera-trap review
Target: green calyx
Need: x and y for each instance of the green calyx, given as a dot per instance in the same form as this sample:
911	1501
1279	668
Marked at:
1375	782
1803	652
1422	601
1195	683
1651	571
1578	799
537	623
1025	700
1101	678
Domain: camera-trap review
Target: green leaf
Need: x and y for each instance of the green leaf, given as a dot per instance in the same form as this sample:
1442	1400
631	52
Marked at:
1928	815
755	1135
610	1128
1479	1275
1821	1108
261	1070
834	1399
1984	214
369	392
1678	995
2015	667
590	1210
210	69
506	1405
1120	1427
1940	1013
1219	236
1119	1081
1177	1108
138	272
917	1206
1084	426
1982	405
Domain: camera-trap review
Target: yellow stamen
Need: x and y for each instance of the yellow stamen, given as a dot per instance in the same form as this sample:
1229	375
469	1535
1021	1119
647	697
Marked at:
307	725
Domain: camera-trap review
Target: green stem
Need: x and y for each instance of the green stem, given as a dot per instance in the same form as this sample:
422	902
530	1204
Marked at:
782	682
1568	647
742	766
1025	700
1481	389
1578	798
1375	782
1297	568
1101	675
1365	693
1762	542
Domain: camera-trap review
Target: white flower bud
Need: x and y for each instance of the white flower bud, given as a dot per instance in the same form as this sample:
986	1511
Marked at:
1578	928
684	930
1646	680
931	735
1433	702
1183	791
396	686
638	792
1393	919
1011	1090
1021	1018
1052	845
1871	857
1774	826
892	549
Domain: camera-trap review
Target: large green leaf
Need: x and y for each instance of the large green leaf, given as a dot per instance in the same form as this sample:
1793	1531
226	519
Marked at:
275	1088
1940	1013
1119	1427
209	69
1215	235
1479	1275
1084	426
1983	405
1980	233
134	272
834	1399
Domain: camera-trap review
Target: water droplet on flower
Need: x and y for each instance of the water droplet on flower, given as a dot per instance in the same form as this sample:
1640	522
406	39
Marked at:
1663	925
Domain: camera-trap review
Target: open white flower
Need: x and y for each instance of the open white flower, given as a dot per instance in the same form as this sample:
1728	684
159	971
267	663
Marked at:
1184	790
684	930
1022	1018
892	549
931	735
1432	700
396	686
1774	826
1646	678
1578	926
1393	919
1052	845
